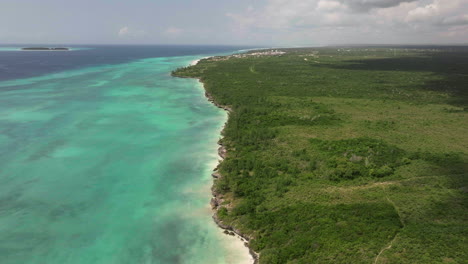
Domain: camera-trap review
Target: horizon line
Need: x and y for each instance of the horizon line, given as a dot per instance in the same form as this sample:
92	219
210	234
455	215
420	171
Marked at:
246	45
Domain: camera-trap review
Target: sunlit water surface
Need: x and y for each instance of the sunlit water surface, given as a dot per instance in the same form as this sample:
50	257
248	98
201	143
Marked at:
109	164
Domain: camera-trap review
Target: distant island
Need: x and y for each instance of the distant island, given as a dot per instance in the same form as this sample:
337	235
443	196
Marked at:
45	48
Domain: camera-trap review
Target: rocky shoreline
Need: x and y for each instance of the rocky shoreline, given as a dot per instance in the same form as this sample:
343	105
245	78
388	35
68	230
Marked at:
217	199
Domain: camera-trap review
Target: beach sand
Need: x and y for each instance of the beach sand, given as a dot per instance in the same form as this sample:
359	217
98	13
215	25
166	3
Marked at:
238	252
193	63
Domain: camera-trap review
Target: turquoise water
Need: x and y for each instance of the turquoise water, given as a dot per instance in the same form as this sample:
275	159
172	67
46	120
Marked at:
110	164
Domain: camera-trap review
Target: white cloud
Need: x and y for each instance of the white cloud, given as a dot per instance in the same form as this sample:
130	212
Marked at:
423	13
173	31
123	31
127	32
327	5
452	11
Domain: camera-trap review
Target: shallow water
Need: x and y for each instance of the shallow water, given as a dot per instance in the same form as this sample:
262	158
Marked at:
110	164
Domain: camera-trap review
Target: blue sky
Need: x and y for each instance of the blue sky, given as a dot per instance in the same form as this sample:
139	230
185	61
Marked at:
250	22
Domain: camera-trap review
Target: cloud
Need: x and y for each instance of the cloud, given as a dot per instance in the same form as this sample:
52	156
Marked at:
329	5
439	13
127	32
123	31
456	20
173	31
423	13
366	5
354	21
358	6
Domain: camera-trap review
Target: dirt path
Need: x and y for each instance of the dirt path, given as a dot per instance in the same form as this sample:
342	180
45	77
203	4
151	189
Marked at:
389	246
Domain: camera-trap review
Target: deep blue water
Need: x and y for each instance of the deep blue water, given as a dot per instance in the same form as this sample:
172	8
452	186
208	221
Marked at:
22	64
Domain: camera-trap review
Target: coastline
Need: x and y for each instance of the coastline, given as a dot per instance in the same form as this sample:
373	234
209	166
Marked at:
217	199
195	62
289	187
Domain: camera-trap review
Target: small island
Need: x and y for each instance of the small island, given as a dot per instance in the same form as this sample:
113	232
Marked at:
46	49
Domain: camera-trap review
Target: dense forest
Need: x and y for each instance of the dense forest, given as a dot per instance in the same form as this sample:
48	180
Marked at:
344	154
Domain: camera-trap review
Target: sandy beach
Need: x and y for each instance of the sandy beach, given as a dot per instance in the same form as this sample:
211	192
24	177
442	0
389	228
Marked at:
239	253
195	62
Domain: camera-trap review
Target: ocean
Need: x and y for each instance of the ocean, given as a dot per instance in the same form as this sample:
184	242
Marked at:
106	158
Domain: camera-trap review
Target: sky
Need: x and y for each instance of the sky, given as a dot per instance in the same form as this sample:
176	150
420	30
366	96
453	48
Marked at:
240	22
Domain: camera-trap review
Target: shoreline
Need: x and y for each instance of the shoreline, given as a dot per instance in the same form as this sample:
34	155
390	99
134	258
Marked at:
217	199
195	62
270	195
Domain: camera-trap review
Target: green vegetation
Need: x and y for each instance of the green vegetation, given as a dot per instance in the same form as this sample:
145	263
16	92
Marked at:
345	155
